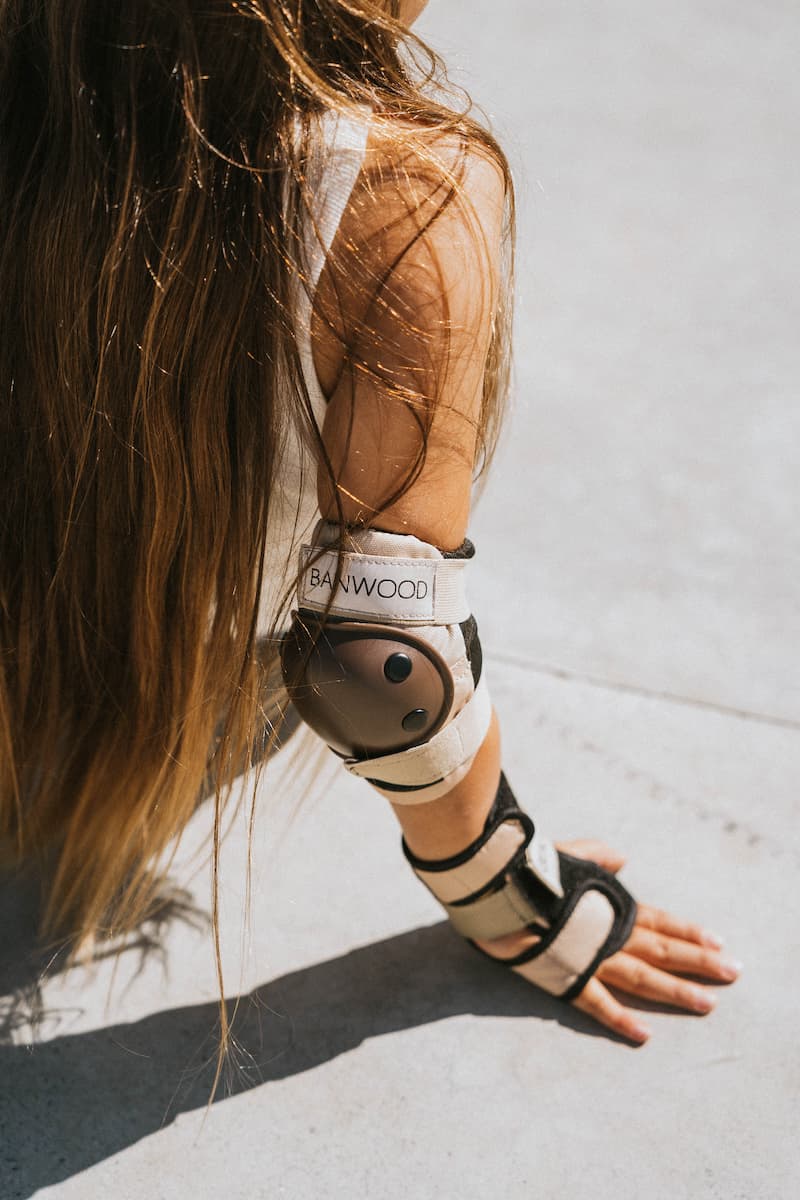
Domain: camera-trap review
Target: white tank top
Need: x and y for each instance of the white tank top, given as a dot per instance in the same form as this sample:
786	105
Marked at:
332	174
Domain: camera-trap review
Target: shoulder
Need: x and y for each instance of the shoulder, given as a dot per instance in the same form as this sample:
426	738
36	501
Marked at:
418	175
425	220
405	312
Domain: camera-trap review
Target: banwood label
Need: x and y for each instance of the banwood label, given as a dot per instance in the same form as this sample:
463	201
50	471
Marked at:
393	587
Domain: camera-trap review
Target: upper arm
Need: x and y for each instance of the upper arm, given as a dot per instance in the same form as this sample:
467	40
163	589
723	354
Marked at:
410	297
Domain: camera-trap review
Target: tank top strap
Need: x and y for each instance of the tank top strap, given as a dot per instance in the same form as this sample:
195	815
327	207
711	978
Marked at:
332	173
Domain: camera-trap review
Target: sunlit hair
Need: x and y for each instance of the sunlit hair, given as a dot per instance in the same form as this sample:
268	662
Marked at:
153	206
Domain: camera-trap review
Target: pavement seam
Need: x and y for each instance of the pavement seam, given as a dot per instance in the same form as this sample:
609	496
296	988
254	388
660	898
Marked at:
661	791
570	675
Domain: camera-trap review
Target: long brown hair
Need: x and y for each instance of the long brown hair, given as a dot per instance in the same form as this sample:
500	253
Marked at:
152	197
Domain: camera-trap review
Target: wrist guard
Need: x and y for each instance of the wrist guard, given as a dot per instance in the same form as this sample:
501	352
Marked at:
511	878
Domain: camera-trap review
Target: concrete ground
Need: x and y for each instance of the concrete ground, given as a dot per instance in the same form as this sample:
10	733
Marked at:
637	588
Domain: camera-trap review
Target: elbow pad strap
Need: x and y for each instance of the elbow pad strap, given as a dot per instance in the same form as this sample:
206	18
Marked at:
383	660
393	589
436	760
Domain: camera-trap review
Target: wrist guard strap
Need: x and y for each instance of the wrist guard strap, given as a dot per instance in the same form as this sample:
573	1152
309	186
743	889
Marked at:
511	878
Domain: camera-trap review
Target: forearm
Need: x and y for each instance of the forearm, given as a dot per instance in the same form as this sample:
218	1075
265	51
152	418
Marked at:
446	826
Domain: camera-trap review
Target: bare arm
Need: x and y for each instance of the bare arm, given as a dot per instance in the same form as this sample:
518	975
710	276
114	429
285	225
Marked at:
427	335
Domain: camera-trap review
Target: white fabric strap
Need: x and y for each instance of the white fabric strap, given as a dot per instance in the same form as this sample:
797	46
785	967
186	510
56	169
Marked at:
575	948
424	795
495	915
507	909
338	147
433	760
498	852
485	865
389	590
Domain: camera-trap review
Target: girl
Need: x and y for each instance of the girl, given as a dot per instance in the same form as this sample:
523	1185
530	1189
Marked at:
253	263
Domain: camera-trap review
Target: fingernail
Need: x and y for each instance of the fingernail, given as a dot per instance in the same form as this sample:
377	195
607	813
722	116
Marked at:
640	1033
713	939
703	1002
730	968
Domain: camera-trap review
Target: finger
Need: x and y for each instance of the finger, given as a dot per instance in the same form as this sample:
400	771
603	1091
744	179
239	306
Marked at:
594	850
598	1002
630	974
675	954
664	922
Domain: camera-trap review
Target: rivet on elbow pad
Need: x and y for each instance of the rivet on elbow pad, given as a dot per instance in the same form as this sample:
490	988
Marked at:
366	689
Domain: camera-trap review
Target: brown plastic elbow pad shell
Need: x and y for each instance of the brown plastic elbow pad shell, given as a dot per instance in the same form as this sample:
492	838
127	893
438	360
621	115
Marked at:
366	690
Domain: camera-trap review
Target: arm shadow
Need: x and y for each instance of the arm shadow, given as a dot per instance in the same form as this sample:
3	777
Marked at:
75	1100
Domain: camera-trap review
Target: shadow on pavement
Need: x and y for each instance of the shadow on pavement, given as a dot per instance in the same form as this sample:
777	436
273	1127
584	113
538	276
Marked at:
74	1100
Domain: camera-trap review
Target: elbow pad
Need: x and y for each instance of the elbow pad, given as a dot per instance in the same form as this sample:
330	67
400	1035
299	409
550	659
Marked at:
384	662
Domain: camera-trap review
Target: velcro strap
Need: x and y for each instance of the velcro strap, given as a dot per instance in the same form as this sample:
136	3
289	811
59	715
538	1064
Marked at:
493	857
425	793
401	591
509	908
496	914
446	750
542	858
575	948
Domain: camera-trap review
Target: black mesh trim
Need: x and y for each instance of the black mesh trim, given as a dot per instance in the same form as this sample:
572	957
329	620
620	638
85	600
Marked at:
472	644
465	550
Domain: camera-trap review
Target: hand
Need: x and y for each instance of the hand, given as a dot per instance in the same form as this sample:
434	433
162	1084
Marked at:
660	950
